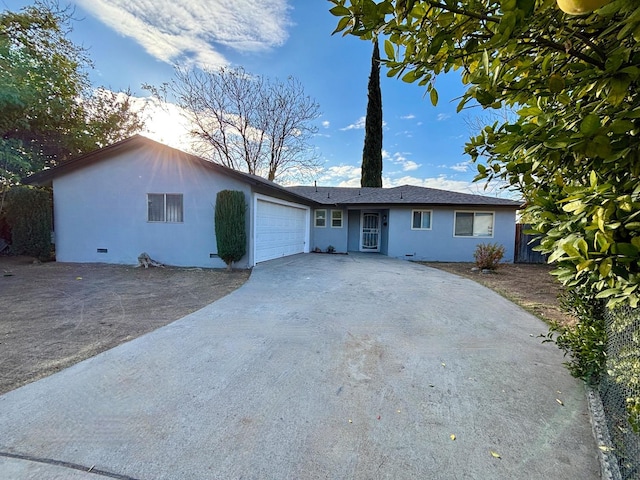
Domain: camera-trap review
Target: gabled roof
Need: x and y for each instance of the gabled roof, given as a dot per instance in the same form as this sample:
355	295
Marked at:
403	195
259	184
345	196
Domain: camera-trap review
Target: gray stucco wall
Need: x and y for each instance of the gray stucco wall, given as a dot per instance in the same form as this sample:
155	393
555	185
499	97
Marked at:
439	243
322	237
104	206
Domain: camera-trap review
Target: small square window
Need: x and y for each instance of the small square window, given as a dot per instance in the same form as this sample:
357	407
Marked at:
321	218
336	218
421	220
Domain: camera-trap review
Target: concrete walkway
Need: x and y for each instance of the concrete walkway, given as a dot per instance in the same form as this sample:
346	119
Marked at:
320	366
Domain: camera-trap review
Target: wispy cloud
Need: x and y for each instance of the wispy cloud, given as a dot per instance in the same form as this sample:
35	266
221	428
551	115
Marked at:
192	31
357	125
408	117
349	176
410	166
404	133
399	159
441	182
340	176
460	167
326	124
443	116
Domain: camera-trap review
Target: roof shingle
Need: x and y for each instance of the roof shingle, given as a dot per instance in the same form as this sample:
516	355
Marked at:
403	195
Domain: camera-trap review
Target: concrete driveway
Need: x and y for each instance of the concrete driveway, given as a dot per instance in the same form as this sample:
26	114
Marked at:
320	366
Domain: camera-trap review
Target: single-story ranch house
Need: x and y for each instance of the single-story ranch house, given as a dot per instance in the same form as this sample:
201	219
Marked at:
139	195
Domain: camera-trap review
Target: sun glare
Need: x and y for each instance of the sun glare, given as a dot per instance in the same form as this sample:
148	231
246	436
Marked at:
166	124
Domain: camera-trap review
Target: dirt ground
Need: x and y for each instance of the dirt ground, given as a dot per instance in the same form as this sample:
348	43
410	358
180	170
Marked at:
529	285
53	315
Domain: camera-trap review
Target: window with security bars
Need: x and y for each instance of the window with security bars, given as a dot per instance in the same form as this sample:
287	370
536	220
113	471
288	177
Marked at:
165	207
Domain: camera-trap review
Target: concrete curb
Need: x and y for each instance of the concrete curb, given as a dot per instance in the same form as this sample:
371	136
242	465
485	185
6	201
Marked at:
609	469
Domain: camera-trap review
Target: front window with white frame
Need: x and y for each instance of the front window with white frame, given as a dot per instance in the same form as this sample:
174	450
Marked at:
320	218
421	220
473	224
165	207
336	218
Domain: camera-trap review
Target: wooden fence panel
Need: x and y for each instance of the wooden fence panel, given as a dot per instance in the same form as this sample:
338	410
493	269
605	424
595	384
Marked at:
524	252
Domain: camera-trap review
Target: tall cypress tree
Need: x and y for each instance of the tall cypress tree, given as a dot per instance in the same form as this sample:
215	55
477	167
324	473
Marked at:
231	236
372	152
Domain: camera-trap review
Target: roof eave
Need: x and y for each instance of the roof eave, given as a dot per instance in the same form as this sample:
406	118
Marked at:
46	177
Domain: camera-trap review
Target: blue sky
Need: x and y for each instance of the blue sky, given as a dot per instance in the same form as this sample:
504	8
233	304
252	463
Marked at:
138	41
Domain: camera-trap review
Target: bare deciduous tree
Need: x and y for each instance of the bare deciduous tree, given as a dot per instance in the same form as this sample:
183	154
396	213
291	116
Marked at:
287	122
247	122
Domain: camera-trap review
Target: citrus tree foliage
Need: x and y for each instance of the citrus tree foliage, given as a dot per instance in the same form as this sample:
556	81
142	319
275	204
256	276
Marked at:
49	110
246	122
573	148
230	228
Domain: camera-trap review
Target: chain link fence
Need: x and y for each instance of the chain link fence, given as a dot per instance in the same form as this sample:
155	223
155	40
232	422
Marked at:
620	389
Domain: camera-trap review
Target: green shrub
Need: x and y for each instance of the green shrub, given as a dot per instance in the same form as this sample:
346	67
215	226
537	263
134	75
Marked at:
623	357
633	407
231	236
585	342
29	215
488	255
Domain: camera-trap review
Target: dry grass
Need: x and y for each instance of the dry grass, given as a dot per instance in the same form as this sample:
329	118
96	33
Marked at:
528	285
53	315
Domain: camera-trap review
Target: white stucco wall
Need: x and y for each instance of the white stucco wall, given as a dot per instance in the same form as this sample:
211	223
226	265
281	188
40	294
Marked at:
104	206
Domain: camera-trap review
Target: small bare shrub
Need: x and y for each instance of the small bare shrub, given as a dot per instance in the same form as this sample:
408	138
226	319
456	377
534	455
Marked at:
488	255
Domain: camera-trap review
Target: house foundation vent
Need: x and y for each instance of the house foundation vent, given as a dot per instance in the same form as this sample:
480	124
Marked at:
103	250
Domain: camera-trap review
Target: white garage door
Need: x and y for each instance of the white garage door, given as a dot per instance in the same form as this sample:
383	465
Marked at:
281	229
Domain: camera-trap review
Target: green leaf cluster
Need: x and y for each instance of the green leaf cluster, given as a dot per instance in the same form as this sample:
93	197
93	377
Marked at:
49	110
623	363
29	213
230	228
585	342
